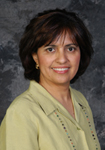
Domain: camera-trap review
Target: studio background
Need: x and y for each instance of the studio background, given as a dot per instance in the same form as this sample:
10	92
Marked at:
15	15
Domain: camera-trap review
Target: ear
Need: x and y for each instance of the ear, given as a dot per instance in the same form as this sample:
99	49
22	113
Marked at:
35	57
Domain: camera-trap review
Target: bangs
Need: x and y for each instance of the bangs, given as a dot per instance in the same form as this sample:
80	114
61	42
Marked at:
62	33
55	35
53	28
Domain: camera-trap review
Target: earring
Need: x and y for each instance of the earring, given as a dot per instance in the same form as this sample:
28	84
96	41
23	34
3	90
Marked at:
37	66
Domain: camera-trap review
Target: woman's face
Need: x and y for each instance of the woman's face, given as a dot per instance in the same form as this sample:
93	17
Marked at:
58	62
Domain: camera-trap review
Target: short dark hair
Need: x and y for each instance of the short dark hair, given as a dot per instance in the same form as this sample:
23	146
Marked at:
44	28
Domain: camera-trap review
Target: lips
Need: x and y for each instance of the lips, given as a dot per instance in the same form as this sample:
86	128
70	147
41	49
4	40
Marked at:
61	70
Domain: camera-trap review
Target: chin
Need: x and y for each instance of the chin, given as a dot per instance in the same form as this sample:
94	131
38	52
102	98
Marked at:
63	82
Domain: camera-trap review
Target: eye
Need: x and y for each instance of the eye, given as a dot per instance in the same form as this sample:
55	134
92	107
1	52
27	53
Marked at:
50	49
71	49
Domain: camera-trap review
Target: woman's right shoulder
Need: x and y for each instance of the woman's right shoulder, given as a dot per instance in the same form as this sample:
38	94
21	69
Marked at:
21	121
24	104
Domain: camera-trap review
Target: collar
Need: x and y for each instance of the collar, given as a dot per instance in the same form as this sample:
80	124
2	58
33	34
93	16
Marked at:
46	101
42	97
78	97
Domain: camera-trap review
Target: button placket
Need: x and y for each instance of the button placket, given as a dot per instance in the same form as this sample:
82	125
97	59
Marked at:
90	126
66	131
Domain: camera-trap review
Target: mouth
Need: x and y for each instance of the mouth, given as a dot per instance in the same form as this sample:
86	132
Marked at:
60	69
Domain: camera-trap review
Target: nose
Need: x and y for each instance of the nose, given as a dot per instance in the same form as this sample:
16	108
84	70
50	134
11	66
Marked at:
61	57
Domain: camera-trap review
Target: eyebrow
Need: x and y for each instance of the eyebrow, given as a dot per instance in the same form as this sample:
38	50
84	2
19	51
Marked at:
64	45
71	45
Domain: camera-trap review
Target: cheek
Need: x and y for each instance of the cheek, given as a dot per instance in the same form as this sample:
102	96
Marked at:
41	62
44	61
78	57
76	60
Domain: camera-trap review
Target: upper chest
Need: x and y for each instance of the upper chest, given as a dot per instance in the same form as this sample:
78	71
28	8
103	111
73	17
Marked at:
59	131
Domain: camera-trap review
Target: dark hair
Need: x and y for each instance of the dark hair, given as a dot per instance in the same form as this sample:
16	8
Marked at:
44	28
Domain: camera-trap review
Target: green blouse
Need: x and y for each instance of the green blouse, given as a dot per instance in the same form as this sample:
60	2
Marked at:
37	121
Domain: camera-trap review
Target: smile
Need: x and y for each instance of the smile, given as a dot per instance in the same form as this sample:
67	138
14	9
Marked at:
60	69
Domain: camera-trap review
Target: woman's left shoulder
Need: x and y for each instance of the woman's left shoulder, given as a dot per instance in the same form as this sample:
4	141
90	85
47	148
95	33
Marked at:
79	96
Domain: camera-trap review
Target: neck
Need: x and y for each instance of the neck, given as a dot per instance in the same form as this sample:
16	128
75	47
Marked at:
59	92
62	94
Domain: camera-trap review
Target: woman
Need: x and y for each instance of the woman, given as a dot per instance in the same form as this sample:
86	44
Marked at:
55	50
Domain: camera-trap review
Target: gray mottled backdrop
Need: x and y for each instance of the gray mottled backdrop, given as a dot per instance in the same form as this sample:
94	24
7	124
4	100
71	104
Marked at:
15	14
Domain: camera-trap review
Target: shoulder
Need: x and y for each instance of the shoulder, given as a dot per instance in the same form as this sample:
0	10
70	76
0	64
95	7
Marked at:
23	107
20	122
79	97
25	100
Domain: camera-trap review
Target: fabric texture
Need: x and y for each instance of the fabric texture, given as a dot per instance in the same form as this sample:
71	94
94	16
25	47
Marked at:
37	121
